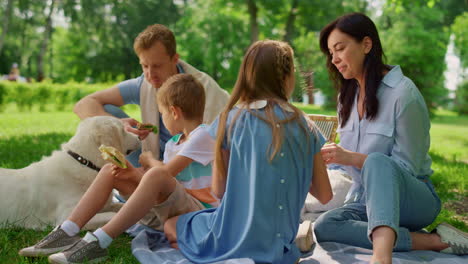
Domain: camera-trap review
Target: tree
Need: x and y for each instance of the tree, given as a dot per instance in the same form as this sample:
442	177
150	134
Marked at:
6	20
213	36
460	31
418	41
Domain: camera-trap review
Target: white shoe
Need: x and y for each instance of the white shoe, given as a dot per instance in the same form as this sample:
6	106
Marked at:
457	239
304	237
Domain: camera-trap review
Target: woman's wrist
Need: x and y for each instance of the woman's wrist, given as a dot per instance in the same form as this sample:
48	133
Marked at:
358	159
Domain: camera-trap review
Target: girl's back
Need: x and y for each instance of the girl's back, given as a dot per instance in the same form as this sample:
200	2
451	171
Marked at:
259	214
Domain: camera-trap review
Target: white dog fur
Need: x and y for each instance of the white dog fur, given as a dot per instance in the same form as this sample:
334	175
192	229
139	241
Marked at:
340	183
45	192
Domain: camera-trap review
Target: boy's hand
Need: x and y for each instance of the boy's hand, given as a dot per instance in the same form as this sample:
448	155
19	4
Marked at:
130	124
130	173
147	160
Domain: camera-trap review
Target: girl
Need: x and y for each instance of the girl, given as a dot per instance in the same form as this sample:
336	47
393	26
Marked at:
267	156
384	132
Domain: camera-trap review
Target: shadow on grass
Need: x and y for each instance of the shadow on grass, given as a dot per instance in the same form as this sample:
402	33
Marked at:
20	151
450	184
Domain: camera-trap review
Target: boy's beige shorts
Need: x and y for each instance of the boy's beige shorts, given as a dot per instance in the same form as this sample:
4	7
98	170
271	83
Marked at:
179	202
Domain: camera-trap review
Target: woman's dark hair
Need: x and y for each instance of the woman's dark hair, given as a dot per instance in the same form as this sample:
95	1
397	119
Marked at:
358	26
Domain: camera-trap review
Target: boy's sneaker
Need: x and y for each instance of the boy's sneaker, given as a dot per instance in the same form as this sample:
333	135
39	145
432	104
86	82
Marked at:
304	237
54	242
87	250
457	239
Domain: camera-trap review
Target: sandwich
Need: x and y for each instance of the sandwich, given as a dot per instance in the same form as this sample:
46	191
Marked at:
112	155
147	126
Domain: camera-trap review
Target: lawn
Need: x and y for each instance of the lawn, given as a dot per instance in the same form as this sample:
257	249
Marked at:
25	137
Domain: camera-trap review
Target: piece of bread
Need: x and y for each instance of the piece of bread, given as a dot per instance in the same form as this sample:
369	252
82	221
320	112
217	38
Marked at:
112	155
147	126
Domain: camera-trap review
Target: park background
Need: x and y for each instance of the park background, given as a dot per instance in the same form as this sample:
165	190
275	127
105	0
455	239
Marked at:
66	49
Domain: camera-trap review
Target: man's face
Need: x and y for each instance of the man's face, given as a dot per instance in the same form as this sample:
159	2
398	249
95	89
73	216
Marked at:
157	65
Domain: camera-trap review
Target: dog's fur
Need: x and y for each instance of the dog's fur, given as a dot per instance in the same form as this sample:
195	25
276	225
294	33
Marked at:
45	192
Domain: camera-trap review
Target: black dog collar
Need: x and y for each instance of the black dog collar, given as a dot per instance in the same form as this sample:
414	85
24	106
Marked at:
83	161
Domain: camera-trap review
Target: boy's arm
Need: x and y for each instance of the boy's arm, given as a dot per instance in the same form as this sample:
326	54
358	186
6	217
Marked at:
320	187
177	164
218	181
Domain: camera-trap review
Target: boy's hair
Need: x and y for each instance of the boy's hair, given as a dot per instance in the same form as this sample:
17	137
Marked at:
185	92
152	34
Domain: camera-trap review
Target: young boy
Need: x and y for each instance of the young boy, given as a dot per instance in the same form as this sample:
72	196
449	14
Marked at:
161	190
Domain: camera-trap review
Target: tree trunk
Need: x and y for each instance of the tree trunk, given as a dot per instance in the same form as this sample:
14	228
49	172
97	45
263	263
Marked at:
289	30
6	20
45	42
309	83
252	7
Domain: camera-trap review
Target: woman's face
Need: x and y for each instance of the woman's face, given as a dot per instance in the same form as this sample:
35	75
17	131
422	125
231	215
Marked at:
348	54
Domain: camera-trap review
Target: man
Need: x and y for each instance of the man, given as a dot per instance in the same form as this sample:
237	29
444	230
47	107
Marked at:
156	49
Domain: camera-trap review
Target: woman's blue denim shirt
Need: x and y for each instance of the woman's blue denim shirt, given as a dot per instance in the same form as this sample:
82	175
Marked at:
400	130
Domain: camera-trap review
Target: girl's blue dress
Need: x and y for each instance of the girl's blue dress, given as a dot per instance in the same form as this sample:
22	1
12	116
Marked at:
259	214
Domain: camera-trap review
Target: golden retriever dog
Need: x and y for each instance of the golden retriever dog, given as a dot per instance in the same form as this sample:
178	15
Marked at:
45	192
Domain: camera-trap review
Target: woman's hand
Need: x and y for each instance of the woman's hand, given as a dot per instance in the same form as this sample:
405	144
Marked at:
130	124
129	174
334	153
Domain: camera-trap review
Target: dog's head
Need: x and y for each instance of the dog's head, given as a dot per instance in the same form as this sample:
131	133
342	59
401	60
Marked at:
95	131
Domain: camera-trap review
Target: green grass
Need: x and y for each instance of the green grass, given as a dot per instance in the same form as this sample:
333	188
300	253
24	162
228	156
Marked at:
26	137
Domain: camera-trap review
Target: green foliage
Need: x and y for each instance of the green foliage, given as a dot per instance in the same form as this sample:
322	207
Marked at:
214	42
27	95
460	30
461	98
418	43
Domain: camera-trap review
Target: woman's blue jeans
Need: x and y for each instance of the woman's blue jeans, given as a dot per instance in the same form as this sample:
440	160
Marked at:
391	197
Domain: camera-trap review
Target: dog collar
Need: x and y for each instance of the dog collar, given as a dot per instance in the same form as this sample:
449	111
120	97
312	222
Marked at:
83	161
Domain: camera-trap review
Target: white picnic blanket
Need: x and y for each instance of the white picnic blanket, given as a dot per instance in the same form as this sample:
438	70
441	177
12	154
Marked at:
335	253
151	246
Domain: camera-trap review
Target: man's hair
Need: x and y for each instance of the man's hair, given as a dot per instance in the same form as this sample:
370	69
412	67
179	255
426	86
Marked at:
185	92
152	34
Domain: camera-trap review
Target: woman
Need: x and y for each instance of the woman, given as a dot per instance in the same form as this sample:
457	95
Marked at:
384	131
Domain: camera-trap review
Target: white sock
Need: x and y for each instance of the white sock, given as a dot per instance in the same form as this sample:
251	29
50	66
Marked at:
104	239
70	228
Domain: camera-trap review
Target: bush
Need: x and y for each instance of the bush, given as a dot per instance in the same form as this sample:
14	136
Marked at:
3	91
27	95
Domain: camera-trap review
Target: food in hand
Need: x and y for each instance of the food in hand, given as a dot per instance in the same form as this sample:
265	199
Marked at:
147	126
112	155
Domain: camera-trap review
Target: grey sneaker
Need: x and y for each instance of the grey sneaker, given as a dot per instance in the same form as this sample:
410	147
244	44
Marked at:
54	242
86	250
457	239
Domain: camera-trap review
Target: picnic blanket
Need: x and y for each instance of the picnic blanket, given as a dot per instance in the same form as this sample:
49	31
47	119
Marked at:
151	246
336	253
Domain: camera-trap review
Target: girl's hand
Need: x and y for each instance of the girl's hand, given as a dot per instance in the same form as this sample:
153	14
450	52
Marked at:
130	124
130	173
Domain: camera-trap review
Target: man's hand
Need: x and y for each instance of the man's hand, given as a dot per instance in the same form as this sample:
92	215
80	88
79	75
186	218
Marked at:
130	124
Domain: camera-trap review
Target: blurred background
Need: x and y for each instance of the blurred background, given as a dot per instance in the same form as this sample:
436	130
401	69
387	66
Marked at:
68	48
